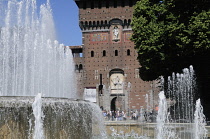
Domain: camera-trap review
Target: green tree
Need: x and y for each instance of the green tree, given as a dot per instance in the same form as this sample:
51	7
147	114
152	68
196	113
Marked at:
170	35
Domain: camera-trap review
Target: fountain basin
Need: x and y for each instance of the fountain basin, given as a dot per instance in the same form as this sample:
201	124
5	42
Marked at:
147	130
62	118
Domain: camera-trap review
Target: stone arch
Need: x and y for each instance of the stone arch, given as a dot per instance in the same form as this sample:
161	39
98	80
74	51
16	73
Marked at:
117	103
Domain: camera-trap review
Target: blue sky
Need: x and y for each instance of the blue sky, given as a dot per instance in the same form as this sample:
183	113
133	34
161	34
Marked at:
66	17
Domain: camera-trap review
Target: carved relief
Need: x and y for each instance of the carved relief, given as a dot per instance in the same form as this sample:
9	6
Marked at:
116	83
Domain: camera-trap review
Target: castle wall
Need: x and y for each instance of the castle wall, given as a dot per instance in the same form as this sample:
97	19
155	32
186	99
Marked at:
109	53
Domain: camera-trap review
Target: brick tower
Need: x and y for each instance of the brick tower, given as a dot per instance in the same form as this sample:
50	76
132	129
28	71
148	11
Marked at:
106	63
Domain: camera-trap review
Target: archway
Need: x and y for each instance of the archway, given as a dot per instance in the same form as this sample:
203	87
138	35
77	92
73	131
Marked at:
117	103
113	104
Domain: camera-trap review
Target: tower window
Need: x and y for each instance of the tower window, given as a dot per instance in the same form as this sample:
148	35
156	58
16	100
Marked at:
104	53
92	53
80	67
116	52
128	52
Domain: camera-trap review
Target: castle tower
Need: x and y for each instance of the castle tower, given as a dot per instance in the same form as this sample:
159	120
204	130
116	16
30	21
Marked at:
109	69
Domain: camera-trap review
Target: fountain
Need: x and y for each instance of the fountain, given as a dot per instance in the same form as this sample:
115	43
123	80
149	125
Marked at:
179	116
33	63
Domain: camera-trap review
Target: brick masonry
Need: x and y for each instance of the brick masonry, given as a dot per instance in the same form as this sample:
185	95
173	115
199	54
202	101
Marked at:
108	54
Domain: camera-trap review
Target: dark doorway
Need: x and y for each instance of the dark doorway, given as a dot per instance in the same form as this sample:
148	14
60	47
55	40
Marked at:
113	104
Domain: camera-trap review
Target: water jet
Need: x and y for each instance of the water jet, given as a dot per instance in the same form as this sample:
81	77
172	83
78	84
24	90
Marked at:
33	63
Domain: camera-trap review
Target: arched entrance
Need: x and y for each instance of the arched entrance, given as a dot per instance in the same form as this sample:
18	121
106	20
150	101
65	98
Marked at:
117	103
113	104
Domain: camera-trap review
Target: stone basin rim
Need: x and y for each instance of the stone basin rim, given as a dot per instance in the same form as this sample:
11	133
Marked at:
27	101
43	98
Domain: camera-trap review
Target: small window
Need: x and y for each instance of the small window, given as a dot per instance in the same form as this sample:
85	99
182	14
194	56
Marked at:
104	53
116	52
92	53
125	22
129	21
128	52
105	22
80	67
86	23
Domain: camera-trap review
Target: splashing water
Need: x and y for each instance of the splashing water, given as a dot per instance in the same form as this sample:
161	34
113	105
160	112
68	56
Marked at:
200	122
38	115
31	60
164	130
176	116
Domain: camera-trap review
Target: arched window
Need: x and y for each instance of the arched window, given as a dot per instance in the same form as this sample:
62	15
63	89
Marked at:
129	21
116	52
86	23
128	52
125	22
90	23
94	23
80	67
92	53
105	22
104	53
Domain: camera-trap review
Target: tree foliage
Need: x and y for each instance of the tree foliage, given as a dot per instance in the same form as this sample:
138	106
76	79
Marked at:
170	35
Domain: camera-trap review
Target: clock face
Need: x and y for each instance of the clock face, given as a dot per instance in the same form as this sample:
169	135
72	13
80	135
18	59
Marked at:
116	82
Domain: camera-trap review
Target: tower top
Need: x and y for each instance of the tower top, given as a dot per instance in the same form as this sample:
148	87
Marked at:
104	3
